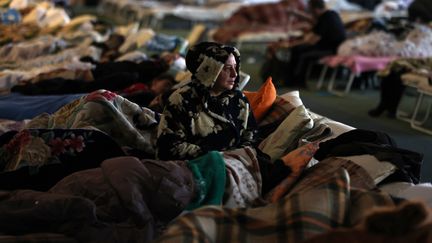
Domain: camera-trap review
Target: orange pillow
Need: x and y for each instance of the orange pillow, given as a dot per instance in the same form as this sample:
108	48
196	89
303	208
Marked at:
262	100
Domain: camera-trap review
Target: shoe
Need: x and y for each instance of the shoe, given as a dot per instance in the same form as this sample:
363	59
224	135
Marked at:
375	112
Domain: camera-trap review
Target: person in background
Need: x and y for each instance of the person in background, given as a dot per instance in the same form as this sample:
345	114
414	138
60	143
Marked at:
151	96
391	85
327	33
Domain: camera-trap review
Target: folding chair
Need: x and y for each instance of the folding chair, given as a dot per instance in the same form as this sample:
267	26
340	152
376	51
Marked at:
425	96
406	106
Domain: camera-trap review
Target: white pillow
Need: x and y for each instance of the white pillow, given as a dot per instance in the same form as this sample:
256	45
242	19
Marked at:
336	127
422	191
286	136
378	170
293	97
394	188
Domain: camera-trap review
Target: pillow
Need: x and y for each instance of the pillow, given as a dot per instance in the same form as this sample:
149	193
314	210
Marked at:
262	100
285	137
419	192
395	188
378	170
280	109
337	129
293	97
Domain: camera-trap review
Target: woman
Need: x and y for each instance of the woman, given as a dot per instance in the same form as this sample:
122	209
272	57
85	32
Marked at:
208	113
211	114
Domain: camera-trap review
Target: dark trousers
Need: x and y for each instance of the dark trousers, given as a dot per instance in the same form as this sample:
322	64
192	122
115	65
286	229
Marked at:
301	57
391	91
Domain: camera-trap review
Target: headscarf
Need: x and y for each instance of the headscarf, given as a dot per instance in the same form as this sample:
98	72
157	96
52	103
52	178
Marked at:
206	60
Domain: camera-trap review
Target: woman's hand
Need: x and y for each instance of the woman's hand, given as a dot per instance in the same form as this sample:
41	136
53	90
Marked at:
298	158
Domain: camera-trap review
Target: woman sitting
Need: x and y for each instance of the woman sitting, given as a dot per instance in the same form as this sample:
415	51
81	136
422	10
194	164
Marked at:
211	114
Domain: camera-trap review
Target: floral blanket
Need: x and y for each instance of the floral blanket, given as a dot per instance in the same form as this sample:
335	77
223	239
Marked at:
7	125
243	180
127	123
95	127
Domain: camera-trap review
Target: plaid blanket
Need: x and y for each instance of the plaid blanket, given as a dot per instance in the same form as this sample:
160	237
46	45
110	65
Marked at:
318	203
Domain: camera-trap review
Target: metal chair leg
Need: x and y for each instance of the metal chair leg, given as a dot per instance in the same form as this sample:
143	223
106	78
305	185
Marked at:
322	76
418	125
406	115
350	82
347	87
332	80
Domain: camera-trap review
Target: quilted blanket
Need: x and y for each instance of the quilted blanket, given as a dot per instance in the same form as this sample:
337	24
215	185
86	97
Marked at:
127	123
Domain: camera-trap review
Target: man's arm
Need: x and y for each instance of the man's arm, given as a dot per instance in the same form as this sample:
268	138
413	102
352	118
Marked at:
301	14
311	38
308	38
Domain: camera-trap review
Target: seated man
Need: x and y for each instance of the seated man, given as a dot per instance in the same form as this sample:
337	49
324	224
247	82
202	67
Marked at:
327	34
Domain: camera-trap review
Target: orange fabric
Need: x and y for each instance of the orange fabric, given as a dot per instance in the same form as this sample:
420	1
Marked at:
262	100
297	161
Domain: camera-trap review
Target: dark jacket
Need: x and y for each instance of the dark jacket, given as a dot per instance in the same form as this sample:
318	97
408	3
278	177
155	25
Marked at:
378	144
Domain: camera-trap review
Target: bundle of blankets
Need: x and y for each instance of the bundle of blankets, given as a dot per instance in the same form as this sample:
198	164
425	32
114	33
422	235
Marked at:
262	17
413	41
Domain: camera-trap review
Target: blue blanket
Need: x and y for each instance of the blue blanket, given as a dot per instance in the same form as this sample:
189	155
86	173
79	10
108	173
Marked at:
18	107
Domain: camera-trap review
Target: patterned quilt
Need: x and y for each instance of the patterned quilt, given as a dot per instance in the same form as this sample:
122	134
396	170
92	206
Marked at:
127	123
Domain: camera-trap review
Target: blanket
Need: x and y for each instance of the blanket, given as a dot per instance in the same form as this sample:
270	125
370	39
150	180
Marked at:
244	182
260	17
321	202
18	107
100	204
127	123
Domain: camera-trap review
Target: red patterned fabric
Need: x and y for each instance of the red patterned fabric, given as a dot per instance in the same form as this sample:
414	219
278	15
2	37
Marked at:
259	17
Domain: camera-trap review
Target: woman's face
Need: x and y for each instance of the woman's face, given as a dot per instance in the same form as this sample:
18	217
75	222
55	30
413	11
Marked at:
228	75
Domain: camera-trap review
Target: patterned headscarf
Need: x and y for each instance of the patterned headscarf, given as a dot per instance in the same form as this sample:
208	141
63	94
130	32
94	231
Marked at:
206	60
